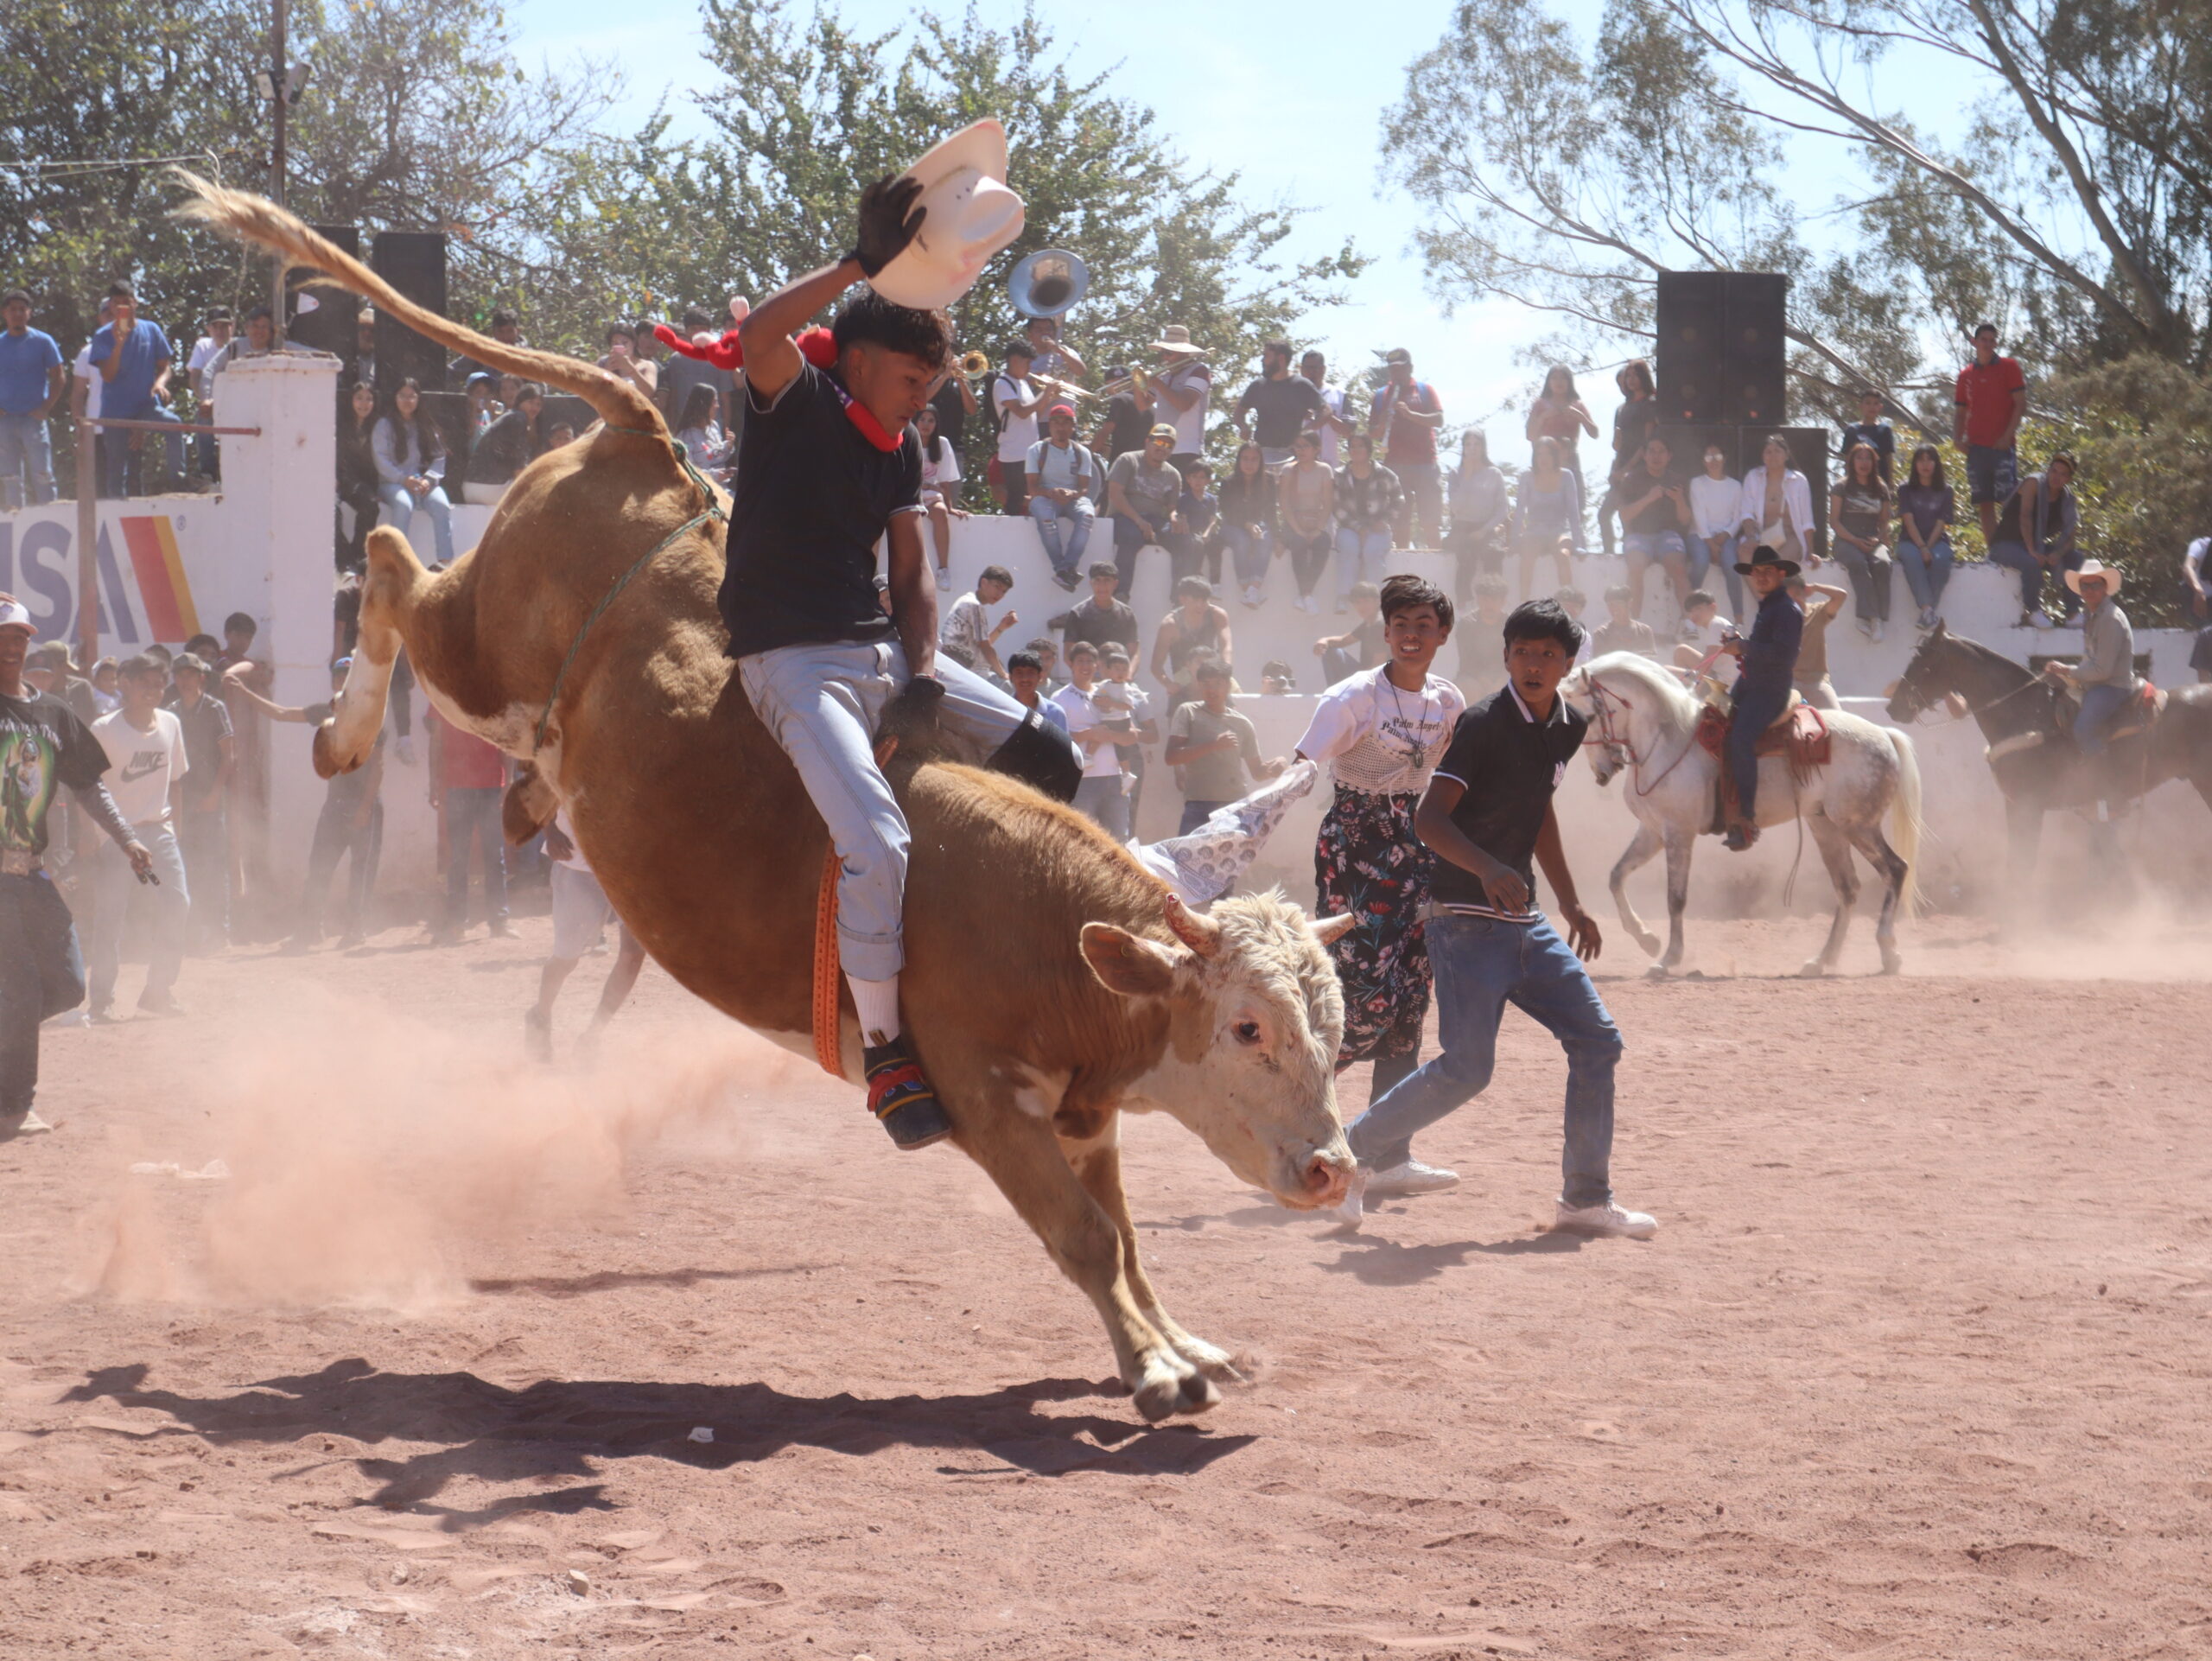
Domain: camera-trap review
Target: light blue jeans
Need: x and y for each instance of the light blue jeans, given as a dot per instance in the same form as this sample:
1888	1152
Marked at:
1248	552
1047	515
822	703
118	895
1481	966
2100	708
26	453
1361	556
400	509
1925	575
1725	563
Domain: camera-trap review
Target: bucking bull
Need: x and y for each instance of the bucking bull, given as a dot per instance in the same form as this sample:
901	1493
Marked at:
1052	984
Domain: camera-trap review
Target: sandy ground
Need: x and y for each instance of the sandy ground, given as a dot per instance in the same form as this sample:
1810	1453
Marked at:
1918	1365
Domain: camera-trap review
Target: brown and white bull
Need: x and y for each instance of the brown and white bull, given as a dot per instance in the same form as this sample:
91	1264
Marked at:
1051	982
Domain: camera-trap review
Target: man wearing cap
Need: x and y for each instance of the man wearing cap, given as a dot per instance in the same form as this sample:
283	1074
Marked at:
33	378
830	464
1180	394
1765	663
1058	470
1141	493
42	746
1403	420
2106	676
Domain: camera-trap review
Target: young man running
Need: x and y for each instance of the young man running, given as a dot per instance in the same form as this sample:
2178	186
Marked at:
826	465
1485	814
42	747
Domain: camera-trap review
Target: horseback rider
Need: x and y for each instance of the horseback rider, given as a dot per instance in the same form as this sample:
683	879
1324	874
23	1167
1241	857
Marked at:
1765	663
2106	676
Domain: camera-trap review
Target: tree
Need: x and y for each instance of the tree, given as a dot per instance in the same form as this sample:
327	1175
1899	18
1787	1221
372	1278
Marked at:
808	111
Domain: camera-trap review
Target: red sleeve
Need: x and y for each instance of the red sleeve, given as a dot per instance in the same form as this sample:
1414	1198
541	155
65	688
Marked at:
1959	394
2014	379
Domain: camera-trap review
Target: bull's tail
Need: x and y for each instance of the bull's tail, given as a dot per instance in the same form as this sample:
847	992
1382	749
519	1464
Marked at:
256	219
1906	825
395	583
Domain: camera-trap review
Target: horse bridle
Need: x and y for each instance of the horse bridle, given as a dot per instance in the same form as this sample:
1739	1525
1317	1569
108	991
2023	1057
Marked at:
1974	711
1604	697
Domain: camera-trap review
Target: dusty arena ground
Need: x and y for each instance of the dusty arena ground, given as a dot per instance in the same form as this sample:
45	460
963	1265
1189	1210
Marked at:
672	1356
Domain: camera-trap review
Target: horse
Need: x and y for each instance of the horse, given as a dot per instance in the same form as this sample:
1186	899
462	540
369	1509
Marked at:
2027	724
1644	724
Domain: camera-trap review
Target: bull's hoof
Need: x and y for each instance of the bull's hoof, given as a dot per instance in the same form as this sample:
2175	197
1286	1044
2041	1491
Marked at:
1656	972
1210	1360
1172	1386
1892	962
1813	971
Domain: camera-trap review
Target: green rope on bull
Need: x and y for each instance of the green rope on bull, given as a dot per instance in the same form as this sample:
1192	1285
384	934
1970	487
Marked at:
711	513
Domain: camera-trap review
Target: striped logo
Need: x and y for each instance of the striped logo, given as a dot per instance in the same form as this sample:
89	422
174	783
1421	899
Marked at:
163	589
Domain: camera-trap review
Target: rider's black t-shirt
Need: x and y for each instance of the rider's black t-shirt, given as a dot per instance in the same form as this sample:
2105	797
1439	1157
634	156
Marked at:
1510	763
43	746
813	497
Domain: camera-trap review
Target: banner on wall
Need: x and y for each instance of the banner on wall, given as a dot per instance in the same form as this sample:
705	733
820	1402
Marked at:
165	571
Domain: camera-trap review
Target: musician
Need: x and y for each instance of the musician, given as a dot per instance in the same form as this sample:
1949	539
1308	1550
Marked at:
1055	357
1184	386
1128	414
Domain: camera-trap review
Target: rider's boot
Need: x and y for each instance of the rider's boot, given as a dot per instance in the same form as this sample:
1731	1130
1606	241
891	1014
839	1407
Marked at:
901	1098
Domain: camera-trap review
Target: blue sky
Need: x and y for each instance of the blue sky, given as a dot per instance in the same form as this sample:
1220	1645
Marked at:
1288	93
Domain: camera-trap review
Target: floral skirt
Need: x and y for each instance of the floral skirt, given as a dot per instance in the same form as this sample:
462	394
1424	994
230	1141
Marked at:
1368	862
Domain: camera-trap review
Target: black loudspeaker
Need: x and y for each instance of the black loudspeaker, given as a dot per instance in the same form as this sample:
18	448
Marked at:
327	323
413	262
1755	385
1693	347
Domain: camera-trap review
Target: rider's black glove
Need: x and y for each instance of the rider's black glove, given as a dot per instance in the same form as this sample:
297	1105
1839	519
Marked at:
886	225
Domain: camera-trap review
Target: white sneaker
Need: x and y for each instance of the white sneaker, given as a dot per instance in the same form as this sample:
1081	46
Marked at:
1875	635
945	579
1411	1177
30	1125
1608	1219
1866	626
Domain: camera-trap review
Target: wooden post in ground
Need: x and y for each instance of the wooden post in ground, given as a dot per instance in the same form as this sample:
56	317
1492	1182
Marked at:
88	548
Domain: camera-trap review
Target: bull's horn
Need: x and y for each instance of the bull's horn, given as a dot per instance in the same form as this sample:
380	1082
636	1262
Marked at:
1201	934
1330	930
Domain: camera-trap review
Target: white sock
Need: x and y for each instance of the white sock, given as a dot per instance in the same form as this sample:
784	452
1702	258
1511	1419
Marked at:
876	1003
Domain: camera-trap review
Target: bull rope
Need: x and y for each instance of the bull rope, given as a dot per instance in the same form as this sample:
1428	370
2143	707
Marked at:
712	514
826	1048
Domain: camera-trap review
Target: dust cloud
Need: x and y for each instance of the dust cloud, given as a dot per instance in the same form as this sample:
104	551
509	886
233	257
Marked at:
370	1154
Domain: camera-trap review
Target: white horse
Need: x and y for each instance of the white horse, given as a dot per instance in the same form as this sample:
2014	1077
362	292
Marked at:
1644	722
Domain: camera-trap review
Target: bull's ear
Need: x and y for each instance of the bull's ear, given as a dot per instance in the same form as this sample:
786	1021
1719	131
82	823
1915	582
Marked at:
1330	930
1128	964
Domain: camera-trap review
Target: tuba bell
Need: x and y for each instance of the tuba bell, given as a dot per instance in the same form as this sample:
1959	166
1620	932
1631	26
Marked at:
1048	283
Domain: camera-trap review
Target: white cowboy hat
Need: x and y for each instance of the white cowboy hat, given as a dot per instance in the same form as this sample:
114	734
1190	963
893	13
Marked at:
1176	338
2111	574
971	216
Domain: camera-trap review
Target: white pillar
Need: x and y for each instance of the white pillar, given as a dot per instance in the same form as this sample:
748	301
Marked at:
285	484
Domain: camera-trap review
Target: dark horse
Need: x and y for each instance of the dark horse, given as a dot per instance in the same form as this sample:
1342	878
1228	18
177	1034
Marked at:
2027	721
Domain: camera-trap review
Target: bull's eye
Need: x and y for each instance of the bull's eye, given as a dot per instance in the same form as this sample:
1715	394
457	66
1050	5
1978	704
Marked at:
1247	1032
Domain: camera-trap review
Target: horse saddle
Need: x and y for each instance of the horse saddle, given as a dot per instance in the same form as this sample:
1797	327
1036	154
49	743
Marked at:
1799	733
2139	716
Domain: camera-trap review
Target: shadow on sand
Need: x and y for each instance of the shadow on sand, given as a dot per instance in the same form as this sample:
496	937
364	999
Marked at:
552	1429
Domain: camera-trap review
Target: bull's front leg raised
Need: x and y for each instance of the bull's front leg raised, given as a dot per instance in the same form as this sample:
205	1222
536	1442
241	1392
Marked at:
1024	1158
1096	1159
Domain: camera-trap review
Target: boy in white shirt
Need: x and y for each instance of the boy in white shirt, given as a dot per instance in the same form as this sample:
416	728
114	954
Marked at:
145	752
1017	403
1703	630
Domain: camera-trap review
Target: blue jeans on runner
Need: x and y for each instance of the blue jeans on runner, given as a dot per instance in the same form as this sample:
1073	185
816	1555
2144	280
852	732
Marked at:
1361	556
26	461
1927	575
1756	709
115	447
472	815
1249	550
2100	707
2015	556
822	703
1048	515
42	974
1481	965
118	895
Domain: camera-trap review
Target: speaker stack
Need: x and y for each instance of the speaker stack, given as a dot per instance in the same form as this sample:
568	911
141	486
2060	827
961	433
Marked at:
320	317
413	262
1721	377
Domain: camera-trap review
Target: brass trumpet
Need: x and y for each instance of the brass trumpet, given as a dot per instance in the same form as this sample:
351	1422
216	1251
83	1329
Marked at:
1139	380
974	364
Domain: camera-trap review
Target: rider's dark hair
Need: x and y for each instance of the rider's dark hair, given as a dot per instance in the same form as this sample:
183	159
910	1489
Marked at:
1024	660
1404	593
1543	620
871	320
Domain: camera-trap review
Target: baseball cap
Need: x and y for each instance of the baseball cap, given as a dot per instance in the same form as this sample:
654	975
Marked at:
1163	430
1067	409
14	615
1397	354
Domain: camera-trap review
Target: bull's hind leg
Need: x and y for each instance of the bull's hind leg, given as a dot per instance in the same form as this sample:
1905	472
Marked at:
1835	853
1097	1165
1023	1157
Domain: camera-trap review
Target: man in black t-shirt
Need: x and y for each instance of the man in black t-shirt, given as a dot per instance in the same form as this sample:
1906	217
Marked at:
1284	405
829	465
1488	816
1127	420
1102	619
43	746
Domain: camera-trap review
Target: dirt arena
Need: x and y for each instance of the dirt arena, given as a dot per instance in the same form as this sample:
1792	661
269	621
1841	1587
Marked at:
671	1355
